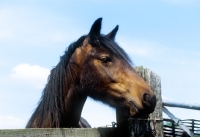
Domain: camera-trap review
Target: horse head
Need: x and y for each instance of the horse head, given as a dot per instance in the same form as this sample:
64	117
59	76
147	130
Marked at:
94	66
105	73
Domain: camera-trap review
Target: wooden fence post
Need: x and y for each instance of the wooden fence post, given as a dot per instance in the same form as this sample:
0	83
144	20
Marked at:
155	83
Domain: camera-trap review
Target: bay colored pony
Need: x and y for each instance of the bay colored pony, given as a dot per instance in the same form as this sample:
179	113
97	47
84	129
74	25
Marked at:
96	66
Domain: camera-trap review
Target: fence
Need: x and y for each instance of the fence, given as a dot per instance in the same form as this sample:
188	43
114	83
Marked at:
155	83
59	132
171	129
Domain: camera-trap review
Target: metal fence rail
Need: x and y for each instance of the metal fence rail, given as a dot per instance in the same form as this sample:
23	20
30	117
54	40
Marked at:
171	129
180	105
193	125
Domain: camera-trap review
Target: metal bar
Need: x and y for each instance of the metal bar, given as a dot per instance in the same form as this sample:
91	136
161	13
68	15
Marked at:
173	129
178	122
180	105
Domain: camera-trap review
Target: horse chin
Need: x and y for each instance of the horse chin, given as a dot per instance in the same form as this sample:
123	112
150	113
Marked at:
133	109
138	112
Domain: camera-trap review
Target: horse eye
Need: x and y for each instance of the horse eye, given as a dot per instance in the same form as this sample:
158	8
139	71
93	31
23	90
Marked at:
105	59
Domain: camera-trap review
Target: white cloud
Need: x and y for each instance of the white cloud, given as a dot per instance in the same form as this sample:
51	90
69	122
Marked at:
8	121
166	98
5	34
58	36
141	48
26	25
33	74
5	24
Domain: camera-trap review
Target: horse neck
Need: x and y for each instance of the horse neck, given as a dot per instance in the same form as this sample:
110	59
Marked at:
74	103
74	98
66	113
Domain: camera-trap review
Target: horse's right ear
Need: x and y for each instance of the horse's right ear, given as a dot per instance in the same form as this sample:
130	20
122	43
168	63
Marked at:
95	30
113	33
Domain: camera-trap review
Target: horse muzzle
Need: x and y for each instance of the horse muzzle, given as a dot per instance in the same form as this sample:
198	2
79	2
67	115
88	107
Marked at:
147	105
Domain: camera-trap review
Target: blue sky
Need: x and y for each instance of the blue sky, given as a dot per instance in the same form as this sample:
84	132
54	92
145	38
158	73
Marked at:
162	35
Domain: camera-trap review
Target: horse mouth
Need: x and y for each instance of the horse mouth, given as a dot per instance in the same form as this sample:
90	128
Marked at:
133	108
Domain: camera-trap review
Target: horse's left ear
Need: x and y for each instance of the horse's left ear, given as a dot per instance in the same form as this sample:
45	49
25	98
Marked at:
113	33
94	32
95	29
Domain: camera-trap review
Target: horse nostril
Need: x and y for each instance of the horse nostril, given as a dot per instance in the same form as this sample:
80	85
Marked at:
149	102
146	98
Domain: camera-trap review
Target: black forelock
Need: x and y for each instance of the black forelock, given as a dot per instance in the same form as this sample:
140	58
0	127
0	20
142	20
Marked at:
114	48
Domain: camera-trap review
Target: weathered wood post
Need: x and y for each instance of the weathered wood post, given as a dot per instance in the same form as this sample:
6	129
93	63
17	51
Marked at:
155	83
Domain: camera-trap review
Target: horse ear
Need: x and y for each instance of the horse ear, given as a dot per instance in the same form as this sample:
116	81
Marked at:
113	33
95	29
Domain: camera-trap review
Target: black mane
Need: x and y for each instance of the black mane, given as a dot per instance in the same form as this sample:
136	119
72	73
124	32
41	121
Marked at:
52	99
